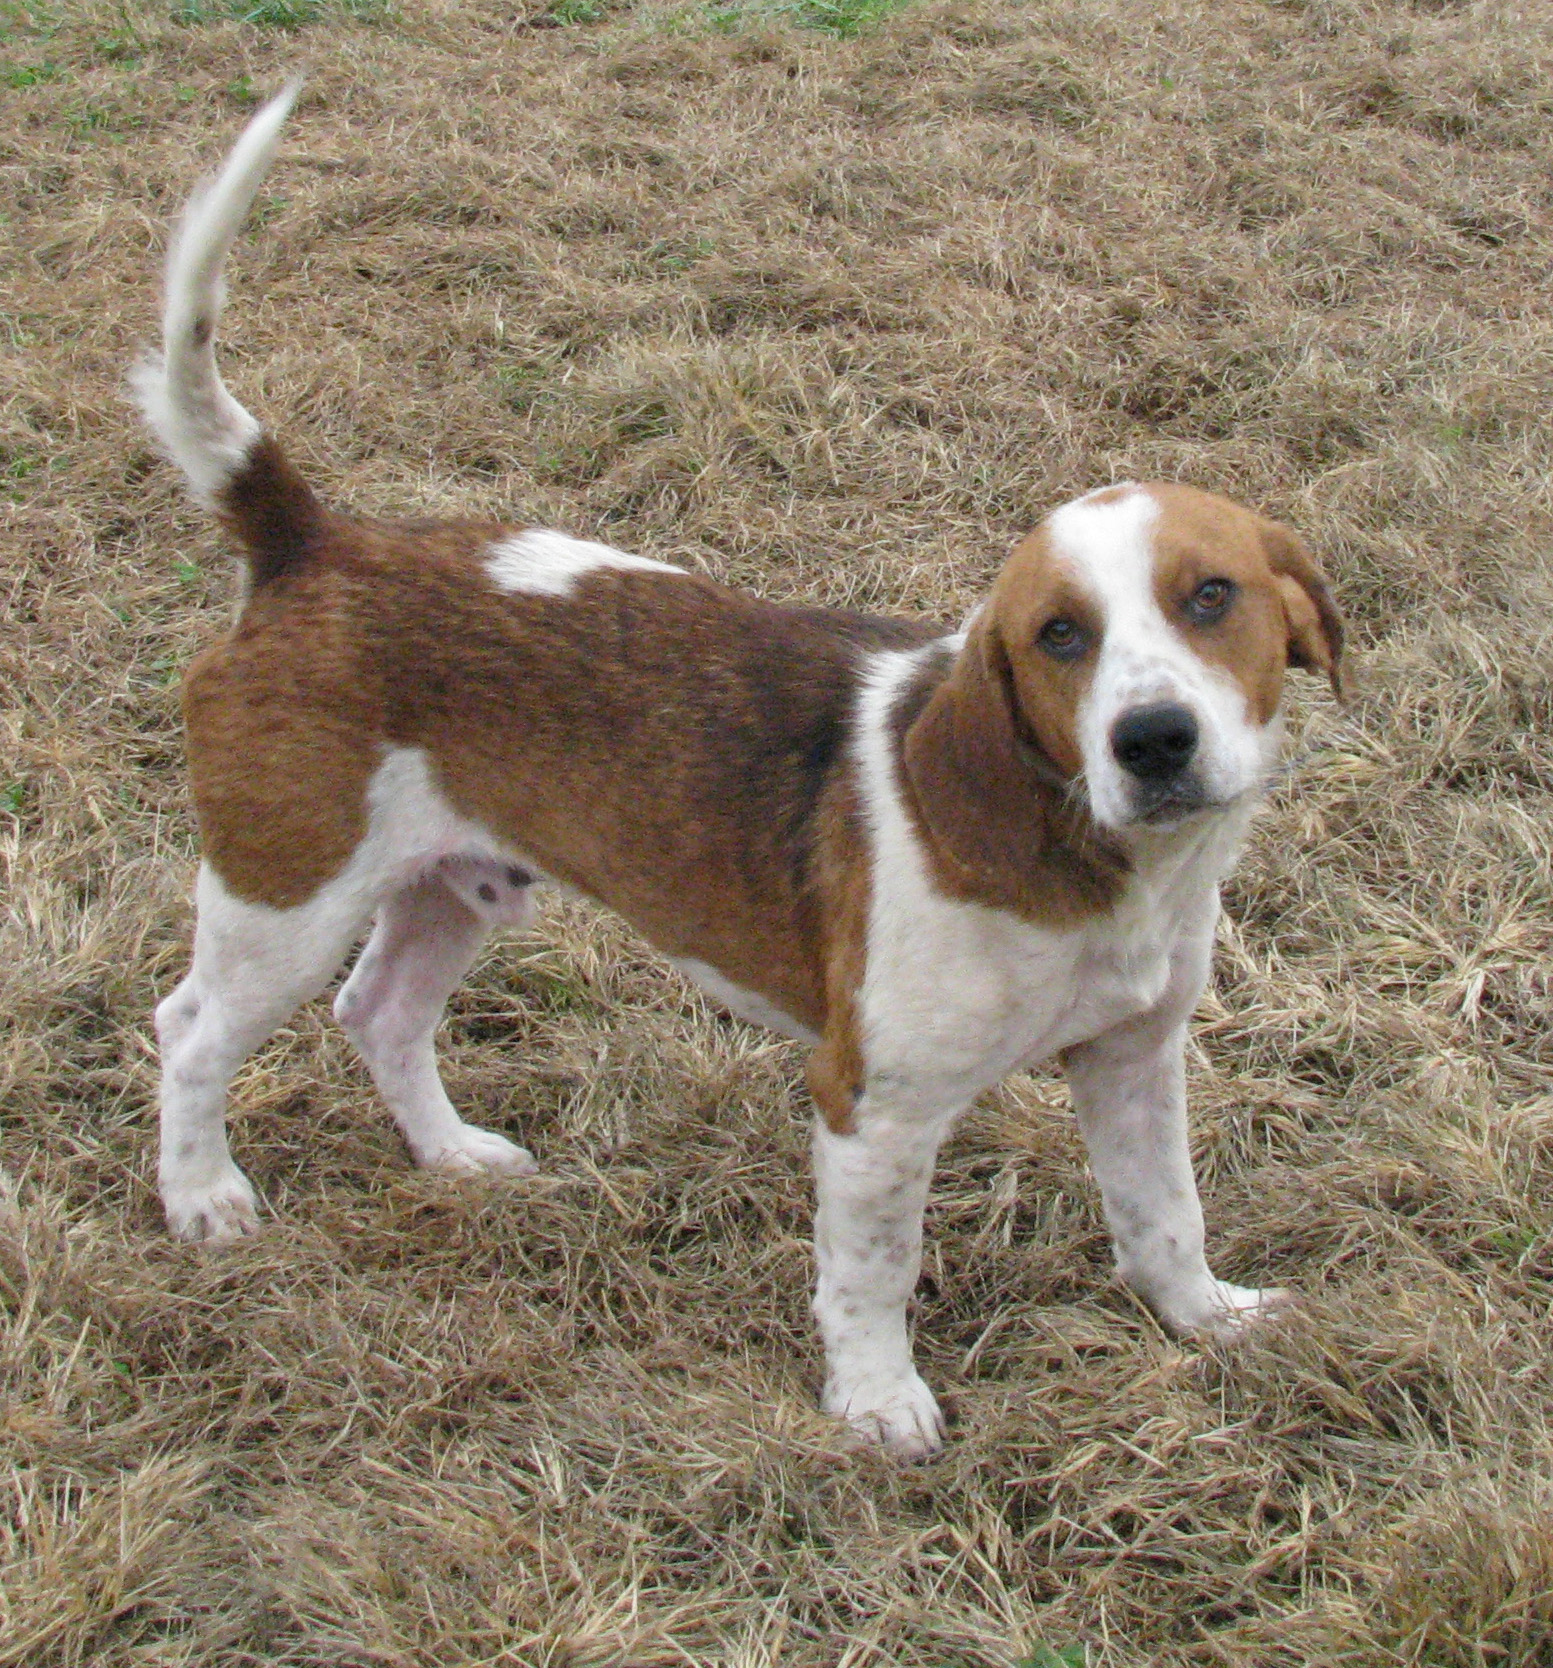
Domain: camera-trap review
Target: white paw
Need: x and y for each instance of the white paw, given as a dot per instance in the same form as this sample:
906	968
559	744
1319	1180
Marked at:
469	1151
1234	1308
897	1412
225	1208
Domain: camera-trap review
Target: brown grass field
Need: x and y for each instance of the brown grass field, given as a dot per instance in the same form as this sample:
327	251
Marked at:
833	318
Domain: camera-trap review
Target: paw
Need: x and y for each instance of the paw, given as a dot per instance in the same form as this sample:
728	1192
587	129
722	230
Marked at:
1234	1308
897	1412
471	1151
210	1211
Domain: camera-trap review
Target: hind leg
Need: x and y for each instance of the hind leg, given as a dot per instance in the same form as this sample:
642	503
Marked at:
253	967
425	940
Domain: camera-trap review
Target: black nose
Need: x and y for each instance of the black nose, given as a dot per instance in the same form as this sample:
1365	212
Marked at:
1155	743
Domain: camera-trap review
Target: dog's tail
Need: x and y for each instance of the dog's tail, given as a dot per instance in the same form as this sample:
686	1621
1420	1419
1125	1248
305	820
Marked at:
233	466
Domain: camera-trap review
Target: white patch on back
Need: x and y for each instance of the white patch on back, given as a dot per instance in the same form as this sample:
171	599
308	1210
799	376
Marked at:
543	563
746	1004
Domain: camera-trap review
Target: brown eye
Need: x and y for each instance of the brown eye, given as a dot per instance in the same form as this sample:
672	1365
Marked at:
1063	640
1211	600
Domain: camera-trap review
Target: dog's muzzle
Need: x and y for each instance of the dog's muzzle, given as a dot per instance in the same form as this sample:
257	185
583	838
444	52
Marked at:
1155	746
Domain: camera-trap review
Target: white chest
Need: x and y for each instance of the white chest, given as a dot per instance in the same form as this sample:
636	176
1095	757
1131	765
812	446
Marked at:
957	997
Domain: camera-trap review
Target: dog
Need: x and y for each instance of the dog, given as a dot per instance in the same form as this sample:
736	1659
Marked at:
934	856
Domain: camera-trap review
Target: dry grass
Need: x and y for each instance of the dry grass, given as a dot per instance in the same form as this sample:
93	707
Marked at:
835	319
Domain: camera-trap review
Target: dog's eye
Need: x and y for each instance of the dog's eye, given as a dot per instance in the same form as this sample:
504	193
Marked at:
1211	600
1063	640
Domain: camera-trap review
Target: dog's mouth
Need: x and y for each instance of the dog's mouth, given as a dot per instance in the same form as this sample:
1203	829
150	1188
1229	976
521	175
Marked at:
1172	803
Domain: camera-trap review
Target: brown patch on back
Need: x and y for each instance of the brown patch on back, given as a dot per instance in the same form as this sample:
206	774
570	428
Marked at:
662	743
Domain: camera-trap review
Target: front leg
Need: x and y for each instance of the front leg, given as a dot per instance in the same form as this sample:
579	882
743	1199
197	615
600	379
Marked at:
1129	1093
871	1184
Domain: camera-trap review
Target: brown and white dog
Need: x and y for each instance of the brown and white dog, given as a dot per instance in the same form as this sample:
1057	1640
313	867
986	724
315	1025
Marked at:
936	857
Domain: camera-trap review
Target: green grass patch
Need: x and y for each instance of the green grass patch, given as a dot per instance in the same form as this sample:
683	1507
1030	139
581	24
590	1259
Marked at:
567	12
89	118
18	18
546	984
29	75
678	254
845	19
279	14
1059	1656
15	471
526	381
521	385
124	49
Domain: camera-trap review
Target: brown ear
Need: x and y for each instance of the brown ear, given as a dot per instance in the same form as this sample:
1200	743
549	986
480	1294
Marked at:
1002	825
1315	626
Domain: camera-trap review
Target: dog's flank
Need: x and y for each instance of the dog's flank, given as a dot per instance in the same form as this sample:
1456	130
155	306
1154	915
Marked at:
935	856
232	466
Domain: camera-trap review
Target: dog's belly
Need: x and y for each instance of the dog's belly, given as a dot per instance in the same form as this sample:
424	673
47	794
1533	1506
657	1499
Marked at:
745	1004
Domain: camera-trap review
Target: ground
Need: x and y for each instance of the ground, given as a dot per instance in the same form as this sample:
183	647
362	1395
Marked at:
835	318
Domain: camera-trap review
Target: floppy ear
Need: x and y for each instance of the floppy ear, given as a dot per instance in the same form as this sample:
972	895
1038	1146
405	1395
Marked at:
1315	627
1002	825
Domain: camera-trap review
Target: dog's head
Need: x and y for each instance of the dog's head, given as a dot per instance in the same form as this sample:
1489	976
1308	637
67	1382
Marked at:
1146	631
1130	658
